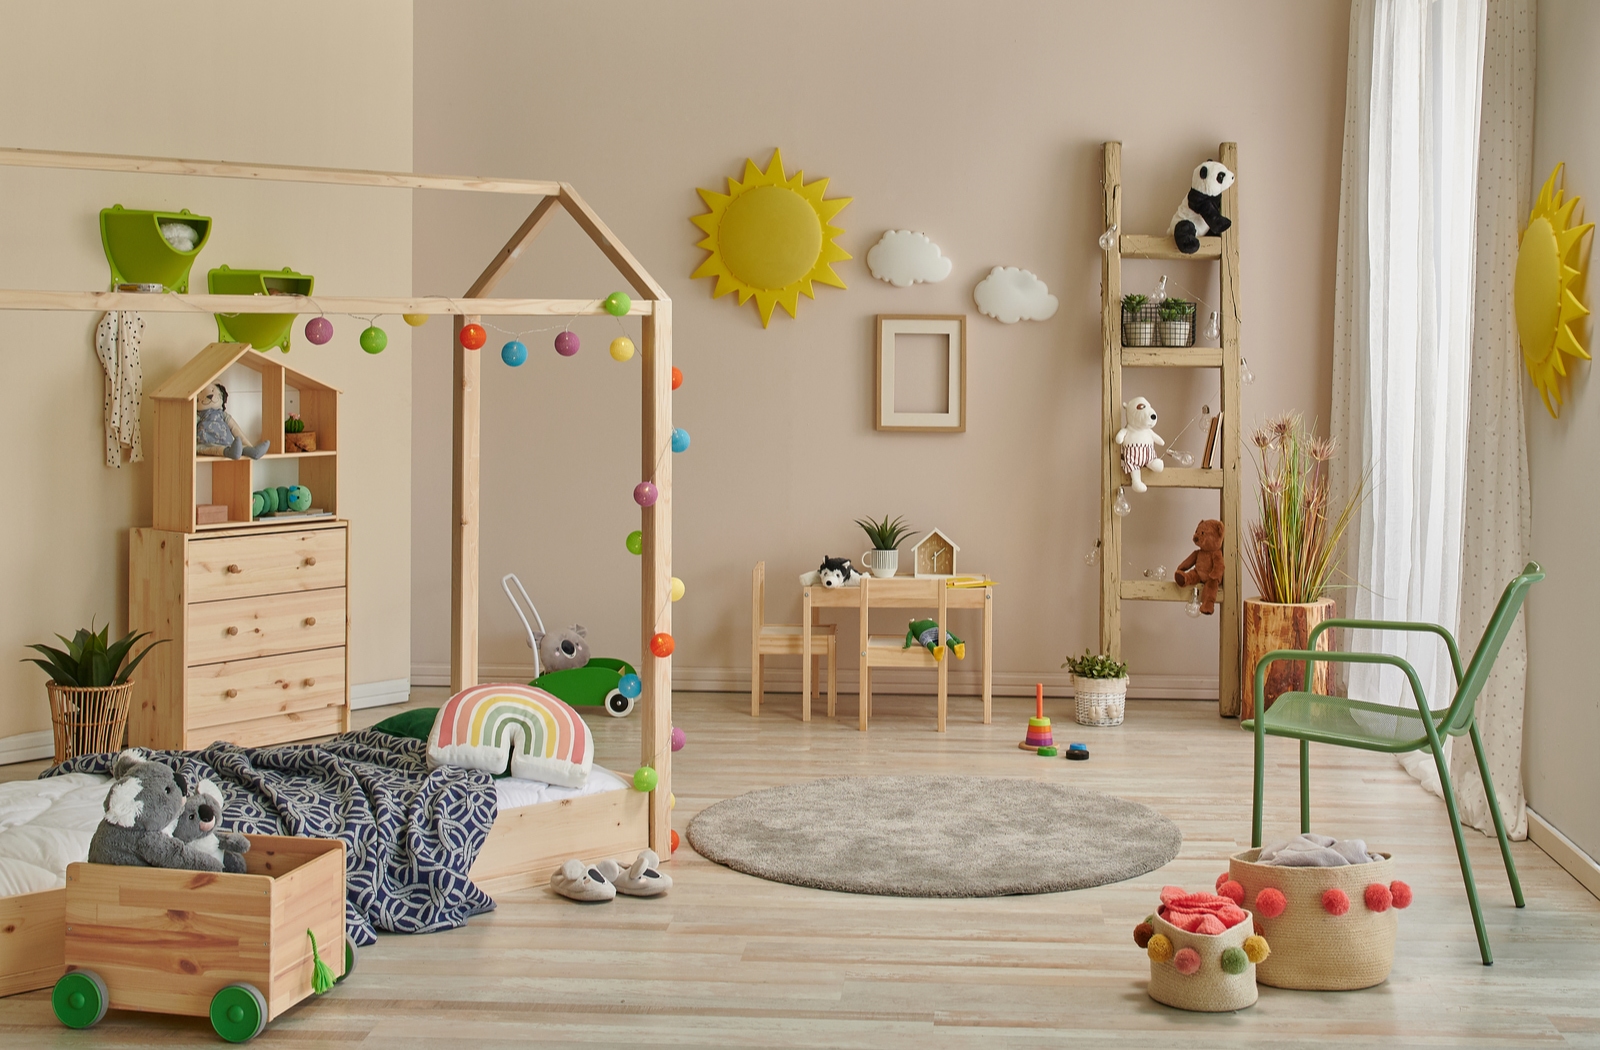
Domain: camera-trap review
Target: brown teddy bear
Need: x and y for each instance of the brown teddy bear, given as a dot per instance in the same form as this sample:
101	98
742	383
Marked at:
1204	566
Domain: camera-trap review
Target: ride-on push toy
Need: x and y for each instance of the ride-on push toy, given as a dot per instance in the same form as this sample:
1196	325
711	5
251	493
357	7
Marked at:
239	949
602	682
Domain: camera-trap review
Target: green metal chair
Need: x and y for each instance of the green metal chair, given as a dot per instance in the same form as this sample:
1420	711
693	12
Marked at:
1308	716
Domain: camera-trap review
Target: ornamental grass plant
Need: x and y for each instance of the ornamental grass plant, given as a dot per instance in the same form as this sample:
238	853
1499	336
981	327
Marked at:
1294	546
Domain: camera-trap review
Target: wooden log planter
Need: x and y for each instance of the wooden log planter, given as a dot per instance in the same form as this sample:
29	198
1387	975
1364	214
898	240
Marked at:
1280	625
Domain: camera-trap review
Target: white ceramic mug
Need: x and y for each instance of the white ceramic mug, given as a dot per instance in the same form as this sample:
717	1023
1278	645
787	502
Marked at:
882	564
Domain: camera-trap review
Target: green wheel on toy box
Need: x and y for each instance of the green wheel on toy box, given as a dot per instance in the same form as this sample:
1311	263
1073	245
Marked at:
239	1012
349	958
80	998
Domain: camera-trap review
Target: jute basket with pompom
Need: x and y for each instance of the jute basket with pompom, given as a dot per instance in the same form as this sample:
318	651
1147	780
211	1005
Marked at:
1209	988
1313	948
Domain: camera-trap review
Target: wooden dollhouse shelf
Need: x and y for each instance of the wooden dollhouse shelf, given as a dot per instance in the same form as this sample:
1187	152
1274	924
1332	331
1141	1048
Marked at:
291	522
1144	246
270	455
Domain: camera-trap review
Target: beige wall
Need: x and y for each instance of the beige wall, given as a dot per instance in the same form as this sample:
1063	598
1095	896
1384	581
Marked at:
307	82
978	124
1563	720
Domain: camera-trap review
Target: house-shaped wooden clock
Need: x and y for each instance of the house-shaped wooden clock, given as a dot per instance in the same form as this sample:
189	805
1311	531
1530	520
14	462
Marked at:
935	555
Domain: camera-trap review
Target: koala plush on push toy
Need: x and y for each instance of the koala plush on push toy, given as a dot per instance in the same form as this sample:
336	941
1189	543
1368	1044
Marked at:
197	826
215	432
1139	440
1200	213
143	807
563	650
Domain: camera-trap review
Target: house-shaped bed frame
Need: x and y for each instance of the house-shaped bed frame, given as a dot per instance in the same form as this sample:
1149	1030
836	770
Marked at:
528	843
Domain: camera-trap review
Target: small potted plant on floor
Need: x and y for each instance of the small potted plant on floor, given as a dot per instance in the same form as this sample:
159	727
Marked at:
1138	321
1177	322
296	438
1100	688
90	688
883	560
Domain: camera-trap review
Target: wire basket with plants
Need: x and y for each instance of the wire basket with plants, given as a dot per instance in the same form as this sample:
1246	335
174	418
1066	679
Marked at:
1176	327
1099	688
1139	316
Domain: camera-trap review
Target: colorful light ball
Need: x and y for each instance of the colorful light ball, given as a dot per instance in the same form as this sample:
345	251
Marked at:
677	589
1159	949
678	739
1187	961
630	686
645	779
1255	948
1334	901
661	645
1142	934
319	330
1234	961
514	353
674	842
1231	890
1399	894
680	439
645	494
677	377
415	320
618	304
567	343
374	339
473	337
622	348
672	801
635	542
1378	897
1271	902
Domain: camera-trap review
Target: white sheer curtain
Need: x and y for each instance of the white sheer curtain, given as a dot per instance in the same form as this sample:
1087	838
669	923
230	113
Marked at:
1403	324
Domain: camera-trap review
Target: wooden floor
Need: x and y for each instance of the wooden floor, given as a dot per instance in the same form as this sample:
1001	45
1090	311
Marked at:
727	960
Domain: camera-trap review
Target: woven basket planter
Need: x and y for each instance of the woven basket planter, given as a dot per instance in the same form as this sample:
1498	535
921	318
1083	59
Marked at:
1208	988
88	721
1312	947
1100	701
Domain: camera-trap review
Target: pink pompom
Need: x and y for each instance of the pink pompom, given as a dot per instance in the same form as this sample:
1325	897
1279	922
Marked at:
1231	890
1270	902
1187	961
1334	901
1400	894
1220	880
1378	897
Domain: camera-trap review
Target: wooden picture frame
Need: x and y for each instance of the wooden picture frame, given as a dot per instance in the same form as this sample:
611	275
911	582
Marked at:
890	327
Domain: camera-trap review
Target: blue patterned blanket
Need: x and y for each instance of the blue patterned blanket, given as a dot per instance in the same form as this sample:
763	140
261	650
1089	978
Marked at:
410	833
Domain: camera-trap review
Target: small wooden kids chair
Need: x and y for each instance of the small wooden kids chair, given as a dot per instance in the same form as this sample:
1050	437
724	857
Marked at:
785	639
890	650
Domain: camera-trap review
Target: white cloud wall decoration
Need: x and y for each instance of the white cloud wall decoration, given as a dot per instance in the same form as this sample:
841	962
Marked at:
904	258
1010	295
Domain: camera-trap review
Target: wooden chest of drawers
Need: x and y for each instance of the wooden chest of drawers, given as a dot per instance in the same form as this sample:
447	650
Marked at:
257	627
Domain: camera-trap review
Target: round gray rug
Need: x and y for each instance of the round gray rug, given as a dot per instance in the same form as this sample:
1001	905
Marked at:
935	836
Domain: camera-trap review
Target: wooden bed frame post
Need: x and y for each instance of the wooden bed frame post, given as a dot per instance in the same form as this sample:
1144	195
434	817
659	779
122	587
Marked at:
655	728
465	403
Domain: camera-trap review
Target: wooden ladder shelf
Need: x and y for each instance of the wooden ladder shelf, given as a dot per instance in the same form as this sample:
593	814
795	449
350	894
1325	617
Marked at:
1114	590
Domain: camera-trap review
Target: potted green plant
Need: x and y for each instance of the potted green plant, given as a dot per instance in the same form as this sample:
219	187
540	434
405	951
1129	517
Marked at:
1177	322
90	688
1292	552
1099	687
1138	321
883	560
296	438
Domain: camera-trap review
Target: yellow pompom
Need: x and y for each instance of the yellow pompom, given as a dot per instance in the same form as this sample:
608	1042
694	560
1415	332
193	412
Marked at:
1255	948
677	588
1159	949
415	320
622	348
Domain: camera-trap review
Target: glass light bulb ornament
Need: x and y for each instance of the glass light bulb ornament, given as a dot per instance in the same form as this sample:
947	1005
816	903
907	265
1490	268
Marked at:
1244	371
1178	458
514	353
1157	573
1159	295
319	330
1093	557
1120	506
1192	607
1214	326
1108	240
567	343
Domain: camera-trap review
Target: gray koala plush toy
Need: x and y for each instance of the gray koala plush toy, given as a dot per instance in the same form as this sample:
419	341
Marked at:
197	826
563	650
142	808
215	432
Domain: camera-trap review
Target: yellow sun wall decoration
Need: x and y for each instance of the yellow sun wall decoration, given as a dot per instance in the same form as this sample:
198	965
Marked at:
1551	271
769	237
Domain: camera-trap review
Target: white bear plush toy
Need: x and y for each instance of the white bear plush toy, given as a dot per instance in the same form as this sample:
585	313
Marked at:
1139	440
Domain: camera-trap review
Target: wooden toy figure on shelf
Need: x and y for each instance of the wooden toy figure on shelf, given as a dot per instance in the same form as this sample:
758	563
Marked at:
926	634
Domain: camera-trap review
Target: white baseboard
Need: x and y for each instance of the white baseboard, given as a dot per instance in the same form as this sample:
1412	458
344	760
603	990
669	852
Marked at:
380	694
787	679
27	747
1564	852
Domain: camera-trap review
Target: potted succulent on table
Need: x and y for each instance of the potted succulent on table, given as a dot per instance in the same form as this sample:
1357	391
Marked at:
1138	321
296	438
883	560
1177	322
90	688
1100	688
1292	552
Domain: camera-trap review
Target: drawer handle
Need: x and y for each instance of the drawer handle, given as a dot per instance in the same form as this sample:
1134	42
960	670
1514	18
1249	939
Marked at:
233	630
283	683
311	559
309	682
234	570
231	693
311	621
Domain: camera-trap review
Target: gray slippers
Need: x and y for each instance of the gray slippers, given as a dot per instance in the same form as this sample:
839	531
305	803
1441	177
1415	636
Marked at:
602	881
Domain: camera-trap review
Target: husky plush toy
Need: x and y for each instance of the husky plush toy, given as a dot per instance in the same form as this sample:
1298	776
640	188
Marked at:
837	572
1200	213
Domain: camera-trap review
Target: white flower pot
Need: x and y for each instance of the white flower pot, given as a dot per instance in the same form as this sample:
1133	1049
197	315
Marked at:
1100	701
1138	333
882	564
1177	333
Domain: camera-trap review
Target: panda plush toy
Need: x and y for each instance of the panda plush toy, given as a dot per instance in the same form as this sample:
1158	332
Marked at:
1200	214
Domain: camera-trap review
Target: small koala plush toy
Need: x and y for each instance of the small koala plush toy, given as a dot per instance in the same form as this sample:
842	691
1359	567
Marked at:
143	807
1139	440
197	826
837	572
1200	213
215	432
563	650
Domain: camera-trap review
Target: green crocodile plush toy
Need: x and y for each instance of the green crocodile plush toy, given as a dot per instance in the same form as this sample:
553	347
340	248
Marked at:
926	634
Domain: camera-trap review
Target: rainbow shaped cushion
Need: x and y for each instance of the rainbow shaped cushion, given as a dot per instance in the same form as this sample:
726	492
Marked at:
517	727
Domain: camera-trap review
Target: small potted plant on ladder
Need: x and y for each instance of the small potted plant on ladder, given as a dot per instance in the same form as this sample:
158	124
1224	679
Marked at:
1099	688
1177	322
1138	321
883	560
